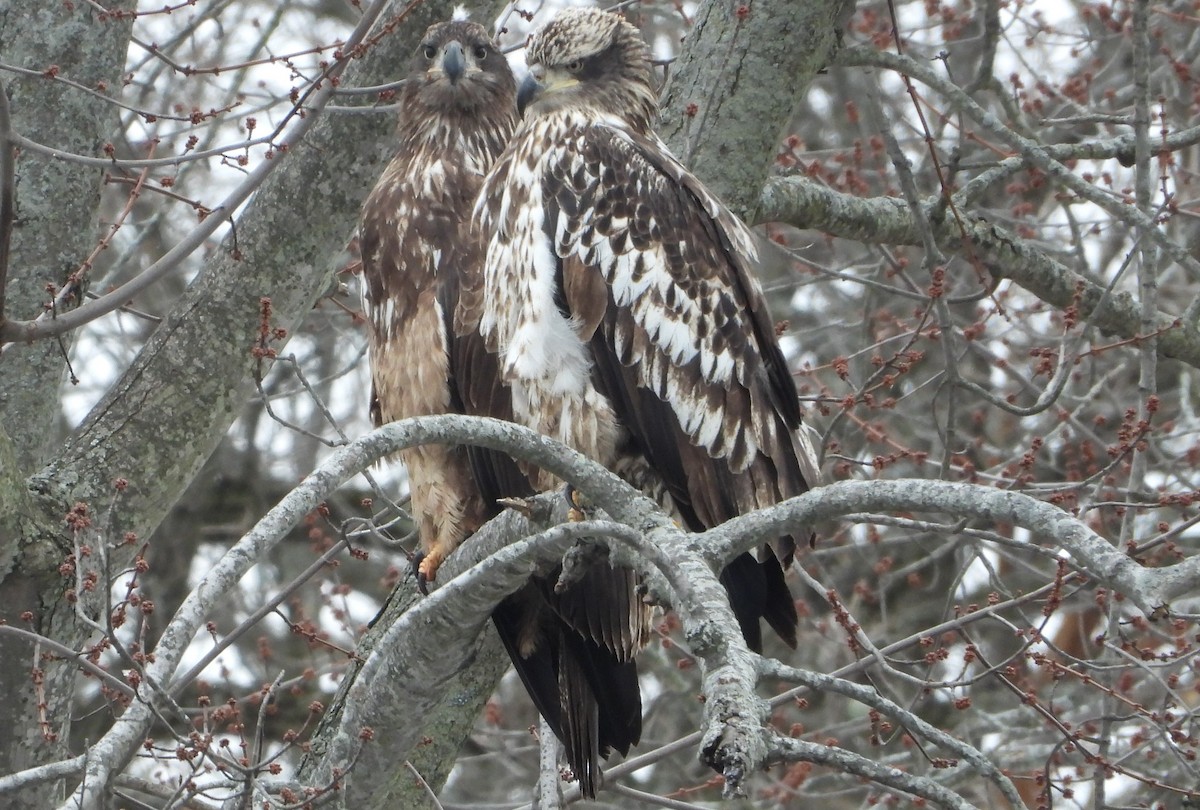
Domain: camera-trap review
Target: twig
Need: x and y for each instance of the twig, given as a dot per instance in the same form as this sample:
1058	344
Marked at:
1030	151
181	682
7	181
786	749
549	793
869	697
28	331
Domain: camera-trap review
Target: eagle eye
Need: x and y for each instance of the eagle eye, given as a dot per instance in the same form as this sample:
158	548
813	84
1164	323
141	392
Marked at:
430	51
480	52
575	66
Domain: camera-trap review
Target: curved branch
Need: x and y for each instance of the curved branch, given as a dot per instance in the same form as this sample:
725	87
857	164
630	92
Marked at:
1151	589
110	754
418	650
786	749
805	204
869	697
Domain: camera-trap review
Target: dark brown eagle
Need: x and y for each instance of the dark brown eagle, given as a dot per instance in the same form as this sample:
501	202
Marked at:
620	295
423	286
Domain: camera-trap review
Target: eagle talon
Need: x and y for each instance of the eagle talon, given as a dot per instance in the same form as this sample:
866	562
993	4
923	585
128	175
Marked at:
418	562
425	565
577	505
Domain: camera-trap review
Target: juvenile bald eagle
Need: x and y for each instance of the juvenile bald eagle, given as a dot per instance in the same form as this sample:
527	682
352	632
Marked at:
620	296
421	260
423	283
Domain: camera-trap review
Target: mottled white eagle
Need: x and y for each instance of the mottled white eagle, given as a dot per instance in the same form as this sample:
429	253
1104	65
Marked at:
620	295
423	285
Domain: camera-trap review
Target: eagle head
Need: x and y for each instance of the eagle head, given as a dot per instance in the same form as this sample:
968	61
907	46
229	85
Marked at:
592	61
458	67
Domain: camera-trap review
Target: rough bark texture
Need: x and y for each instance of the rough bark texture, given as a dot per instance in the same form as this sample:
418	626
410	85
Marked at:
742	69
56	202
381	779
56	206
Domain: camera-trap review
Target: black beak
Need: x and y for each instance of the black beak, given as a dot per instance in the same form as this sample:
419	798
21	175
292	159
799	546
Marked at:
529	90
453	62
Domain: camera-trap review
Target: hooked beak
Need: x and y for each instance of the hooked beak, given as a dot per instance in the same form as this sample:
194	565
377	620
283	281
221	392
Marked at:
530	89
453	62
542	82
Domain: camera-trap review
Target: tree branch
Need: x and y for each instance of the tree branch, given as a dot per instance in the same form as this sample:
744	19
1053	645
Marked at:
805	204
867	696
1032	152
110	754
7	181
786	749
1151	589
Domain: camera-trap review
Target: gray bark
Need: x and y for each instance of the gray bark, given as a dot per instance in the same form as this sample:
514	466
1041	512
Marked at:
436	638
380	778
56	209
744	67
56	203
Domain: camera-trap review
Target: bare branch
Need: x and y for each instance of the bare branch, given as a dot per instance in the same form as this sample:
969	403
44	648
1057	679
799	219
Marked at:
806	204
786	749
7	180
1151	589
869	697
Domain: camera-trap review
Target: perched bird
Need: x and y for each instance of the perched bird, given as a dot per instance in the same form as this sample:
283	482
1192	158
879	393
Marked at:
423	285
620	296
422	260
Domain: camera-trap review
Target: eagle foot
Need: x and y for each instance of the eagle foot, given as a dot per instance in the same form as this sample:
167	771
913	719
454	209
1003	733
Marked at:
425	566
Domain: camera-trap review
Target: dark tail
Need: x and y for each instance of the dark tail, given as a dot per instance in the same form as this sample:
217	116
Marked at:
588	697
758	590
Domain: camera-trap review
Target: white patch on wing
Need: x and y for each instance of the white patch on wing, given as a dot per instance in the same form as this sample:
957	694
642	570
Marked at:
388	317
544	359
433	179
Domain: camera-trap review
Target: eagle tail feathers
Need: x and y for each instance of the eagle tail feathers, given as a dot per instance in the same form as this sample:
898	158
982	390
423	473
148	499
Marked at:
588	694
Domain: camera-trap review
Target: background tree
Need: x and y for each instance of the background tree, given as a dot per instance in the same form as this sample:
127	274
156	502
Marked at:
986	261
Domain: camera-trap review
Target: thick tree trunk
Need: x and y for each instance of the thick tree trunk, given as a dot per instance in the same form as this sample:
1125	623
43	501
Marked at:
742	71
56	202
164	416
56	209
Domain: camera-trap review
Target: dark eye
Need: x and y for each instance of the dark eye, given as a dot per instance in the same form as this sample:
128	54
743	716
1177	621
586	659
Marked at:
430	51
575	67
480	52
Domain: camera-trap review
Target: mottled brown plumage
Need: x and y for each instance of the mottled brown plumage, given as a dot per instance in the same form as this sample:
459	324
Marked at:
621	297
420	254
423	294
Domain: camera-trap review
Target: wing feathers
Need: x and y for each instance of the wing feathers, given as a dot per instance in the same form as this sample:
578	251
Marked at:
686	324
